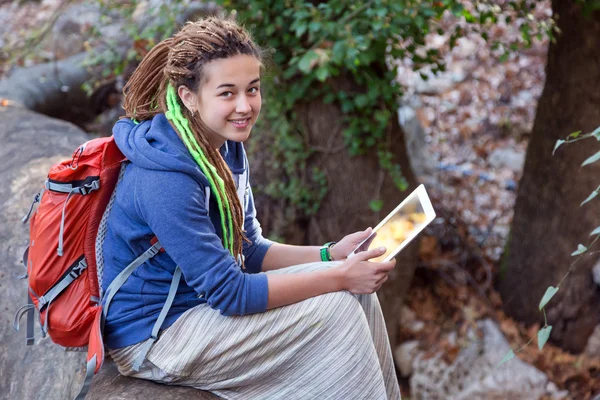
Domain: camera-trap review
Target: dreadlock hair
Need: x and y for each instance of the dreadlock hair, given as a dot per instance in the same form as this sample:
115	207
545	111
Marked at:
152	89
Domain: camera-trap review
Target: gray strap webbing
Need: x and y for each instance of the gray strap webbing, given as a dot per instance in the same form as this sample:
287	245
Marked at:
116	284
57	289
89	375
68	188
61	231
30	330
28	308
159	322
241	190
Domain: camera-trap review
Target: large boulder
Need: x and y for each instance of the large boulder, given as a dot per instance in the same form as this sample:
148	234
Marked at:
475	373
110	385
31	143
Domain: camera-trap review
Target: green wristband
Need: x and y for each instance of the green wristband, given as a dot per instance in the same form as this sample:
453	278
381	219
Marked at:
325	253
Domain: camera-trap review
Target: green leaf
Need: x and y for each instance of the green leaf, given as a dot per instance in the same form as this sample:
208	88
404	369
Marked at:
557	145
301	30
580	250
322	74
376	205
314	26
543	335
591	159
550	292
305	63
574	135
457	9
590	197
361	100
509	356
596	133
595	231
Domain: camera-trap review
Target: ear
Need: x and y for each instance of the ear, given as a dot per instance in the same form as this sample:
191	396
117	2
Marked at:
189	99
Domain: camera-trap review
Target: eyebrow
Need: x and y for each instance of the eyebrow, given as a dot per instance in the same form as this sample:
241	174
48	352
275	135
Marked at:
232	85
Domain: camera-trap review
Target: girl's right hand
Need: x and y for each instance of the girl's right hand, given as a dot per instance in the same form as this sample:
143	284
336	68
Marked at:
360	276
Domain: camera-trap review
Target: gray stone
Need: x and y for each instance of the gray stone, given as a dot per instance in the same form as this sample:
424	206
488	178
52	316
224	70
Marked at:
596	274
404	356
31	143
72	29
475	373
592	349
507	158
420	159
110	385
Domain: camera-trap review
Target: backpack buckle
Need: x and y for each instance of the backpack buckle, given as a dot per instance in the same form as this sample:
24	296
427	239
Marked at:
90	187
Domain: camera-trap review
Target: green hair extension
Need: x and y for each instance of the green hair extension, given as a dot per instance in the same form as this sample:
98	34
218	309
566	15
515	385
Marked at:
182	124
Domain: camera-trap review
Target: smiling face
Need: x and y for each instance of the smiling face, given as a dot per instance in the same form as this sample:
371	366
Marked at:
229	100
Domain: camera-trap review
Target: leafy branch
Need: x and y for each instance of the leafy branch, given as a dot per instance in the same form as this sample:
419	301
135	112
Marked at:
544	333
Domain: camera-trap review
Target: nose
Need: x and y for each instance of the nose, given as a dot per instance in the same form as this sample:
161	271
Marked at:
243	105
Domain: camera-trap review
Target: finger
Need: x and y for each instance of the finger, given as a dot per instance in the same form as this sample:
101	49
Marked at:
364	234
386	266
371	253
359	236
381	280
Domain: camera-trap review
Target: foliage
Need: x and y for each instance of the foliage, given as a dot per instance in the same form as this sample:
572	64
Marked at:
337	52
159	22
544	333
319	44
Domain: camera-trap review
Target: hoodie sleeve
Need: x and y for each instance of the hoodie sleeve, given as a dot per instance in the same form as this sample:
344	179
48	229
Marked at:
257	248
172	203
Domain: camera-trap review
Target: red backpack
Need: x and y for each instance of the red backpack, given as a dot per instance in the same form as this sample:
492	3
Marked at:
64	257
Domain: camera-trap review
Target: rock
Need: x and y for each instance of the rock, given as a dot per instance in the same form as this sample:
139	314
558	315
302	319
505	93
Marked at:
408	319
507	158
52	88
596	274
475	373
31	143
110	385
404	356
72	29
592	349
420	159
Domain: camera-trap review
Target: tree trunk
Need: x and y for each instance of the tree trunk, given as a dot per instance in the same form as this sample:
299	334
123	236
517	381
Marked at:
548	222
352	182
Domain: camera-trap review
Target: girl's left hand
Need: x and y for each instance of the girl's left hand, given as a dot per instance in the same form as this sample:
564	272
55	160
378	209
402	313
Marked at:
344	247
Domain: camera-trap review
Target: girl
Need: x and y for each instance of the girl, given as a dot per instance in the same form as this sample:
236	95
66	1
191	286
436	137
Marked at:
250	319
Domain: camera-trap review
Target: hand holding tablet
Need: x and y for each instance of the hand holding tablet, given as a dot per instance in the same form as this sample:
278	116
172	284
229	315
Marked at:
400	226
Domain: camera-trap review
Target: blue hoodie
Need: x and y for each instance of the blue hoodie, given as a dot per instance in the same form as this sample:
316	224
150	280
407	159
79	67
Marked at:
163	193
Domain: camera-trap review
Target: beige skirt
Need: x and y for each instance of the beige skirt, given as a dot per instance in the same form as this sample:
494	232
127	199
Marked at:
333	346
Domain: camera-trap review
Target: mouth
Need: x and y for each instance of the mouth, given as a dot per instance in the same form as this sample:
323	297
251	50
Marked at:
240	123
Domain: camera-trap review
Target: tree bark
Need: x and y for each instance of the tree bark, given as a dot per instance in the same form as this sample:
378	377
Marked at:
352	182
548	221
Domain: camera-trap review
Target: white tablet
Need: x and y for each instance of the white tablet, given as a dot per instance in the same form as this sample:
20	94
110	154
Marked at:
401	226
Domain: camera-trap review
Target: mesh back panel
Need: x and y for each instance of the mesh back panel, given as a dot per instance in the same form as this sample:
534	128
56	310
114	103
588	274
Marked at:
102	230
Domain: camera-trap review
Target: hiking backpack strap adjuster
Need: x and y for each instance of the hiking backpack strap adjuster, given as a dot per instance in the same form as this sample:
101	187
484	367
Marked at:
137	363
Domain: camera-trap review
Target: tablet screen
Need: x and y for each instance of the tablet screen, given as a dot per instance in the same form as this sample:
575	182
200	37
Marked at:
398	228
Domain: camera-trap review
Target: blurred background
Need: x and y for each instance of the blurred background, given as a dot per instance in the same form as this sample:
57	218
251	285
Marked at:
484	102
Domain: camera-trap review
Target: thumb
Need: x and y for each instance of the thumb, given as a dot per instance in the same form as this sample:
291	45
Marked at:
362	235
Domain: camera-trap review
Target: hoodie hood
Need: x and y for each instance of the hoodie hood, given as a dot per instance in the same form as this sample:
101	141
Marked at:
154	144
